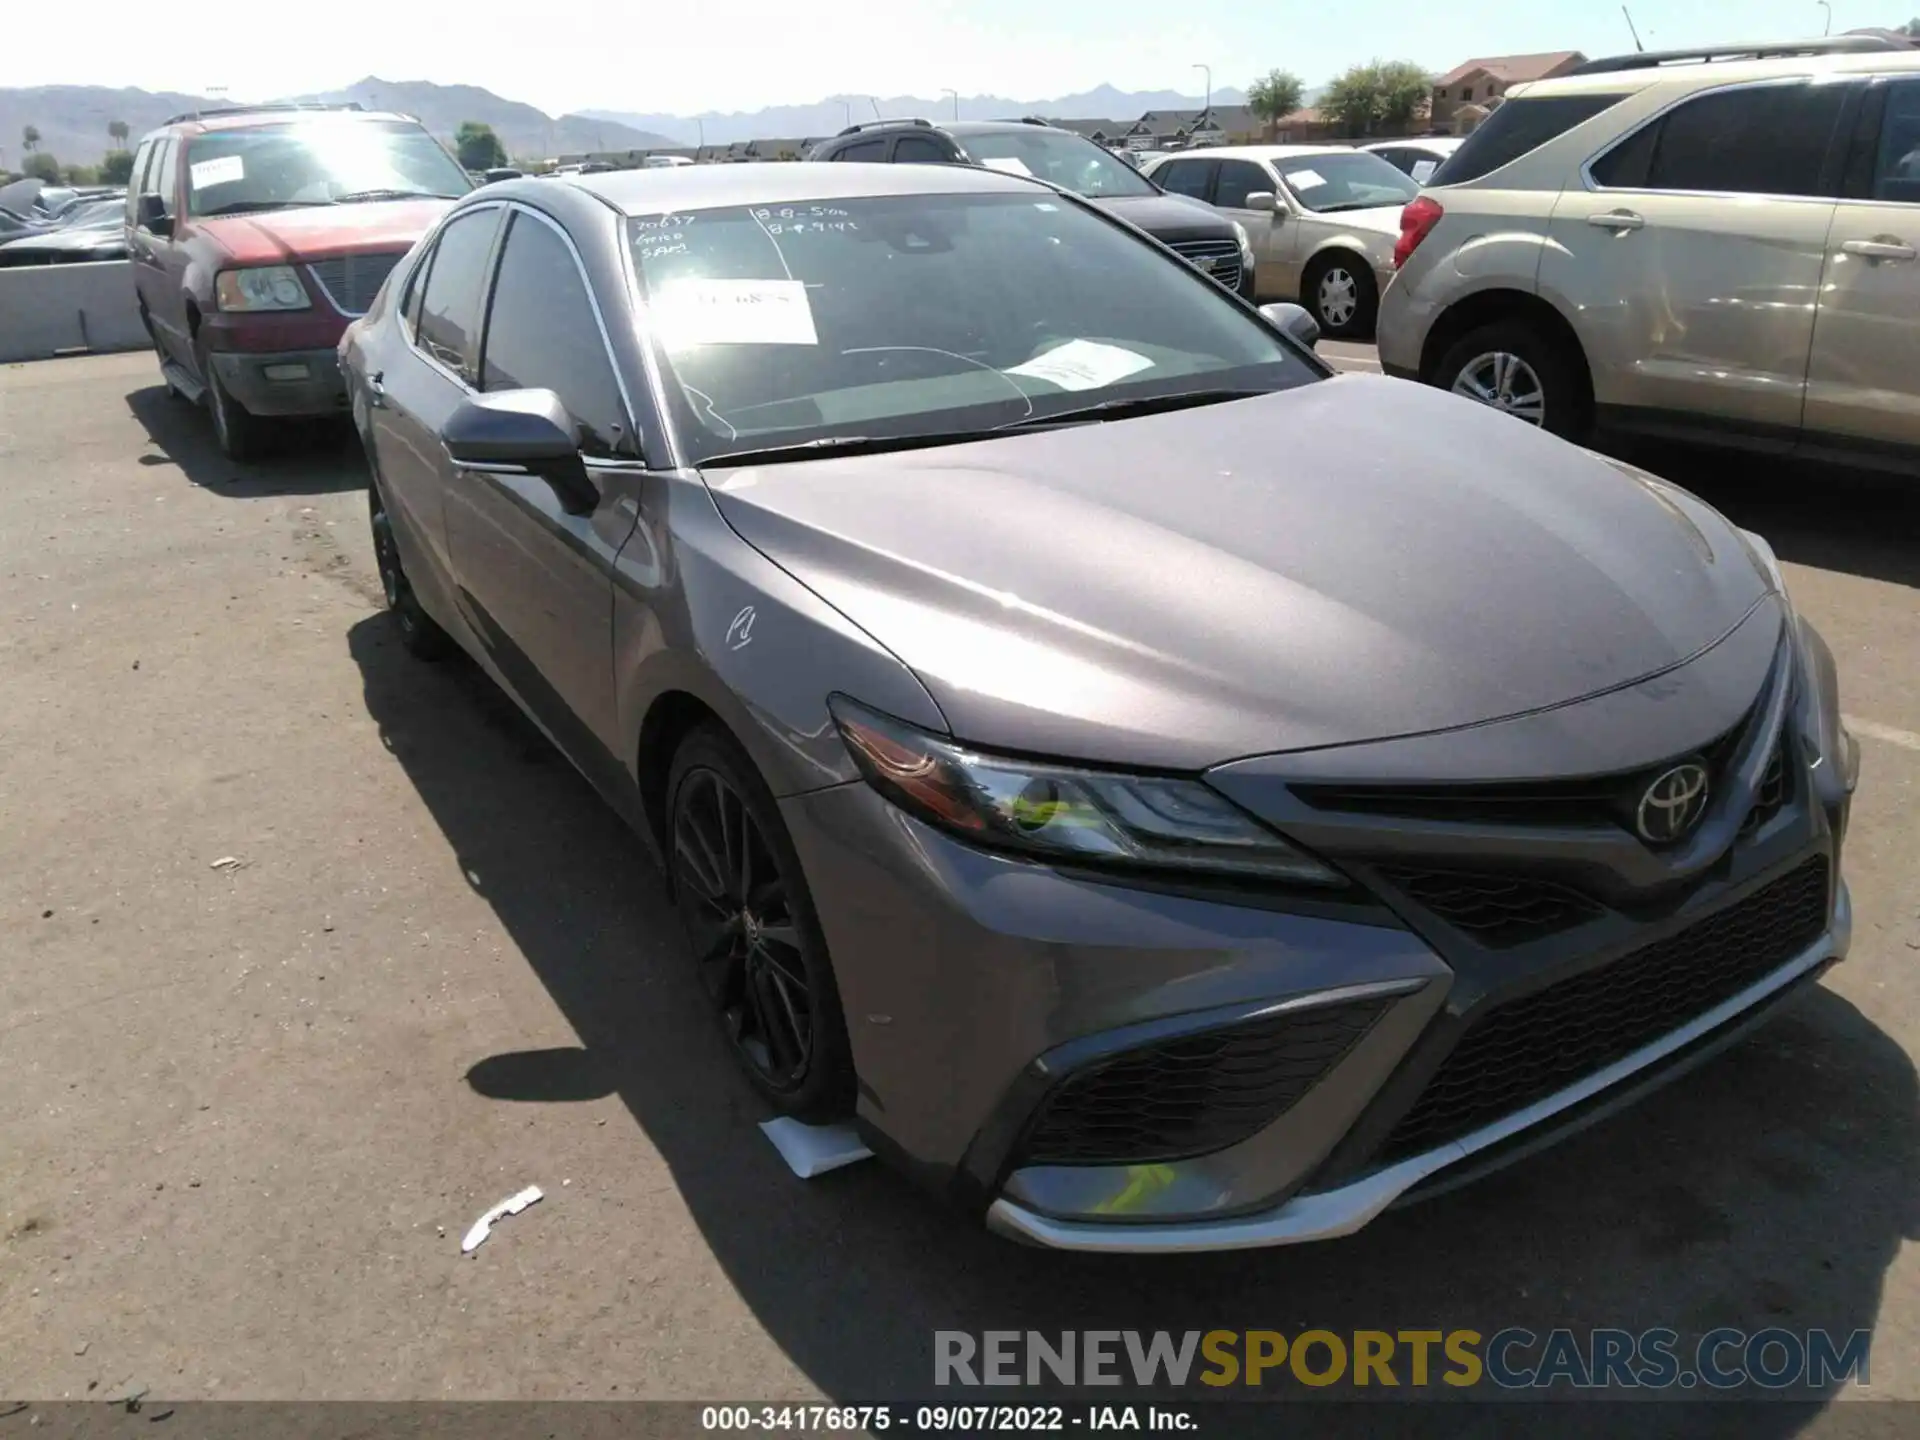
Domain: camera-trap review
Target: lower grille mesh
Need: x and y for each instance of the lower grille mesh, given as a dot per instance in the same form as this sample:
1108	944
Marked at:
351	281
1496	910
1196	1094
1529	1048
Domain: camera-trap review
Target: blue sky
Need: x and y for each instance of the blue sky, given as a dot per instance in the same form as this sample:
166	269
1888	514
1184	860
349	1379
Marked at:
742	54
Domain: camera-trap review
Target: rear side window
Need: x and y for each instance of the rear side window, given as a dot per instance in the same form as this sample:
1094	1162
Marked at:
1896	175
863	150
1518	127
918	150
450	308
1186	177
1761	140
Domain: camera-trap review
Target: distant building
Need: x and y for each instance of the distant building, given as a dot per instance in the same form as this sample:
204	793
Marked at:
1179	129
1477	81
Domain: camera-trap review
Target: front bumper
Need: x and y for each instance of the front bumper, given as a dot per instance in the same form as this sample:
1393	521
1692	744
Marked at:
284	383
1093	1065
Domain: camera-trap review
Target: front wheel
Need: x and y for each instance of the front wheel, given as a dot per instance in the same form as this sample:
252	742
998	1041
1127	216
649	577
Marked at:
1512	367
1340	293
758	950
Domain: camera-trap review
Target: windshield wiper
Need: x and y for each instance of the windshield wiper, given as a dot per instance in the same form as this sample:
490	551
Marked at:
1133	405
829	445
249	207
354	195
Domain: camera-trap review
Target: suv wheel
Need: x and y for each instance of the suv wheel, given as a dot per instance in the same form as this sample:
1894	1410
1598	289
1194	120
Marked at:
241	433
1513	368
422	636
1339	291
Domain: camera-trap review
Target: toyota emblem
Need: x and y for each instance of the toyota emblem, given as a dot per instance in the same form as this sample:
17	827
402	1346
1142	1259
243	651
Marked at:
1673	804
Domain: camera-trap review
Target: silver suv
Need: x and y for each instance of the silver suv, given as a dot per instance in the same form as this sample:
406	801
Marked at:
1710	244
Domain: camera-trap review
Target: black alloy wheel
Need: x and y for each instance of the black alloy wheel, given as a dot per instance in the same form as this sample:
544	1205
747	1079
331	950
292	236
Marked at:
757	948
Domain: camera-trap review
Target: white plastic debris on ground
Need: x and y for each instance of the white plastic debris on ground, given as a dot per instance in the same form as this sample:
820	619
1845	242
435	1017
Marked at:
811	1150
483	1227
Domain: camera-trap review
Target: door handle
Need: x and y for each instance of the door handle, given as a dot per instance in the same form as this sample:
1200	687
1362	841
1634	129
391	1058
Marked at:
1888	249
1617	220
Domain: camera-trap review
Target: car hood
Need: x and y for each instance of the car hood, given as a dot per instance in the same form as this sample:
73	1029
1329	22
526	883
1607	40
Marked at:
1356	559
317	232
1167	217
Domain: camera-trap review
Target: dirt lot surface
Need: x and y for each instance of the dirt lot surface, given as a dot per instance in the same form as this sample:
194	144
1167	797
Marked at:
309	953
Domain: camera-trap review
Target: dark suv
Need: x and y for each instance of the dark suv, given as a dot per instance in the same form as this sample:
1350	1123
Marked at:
258	233
1191	228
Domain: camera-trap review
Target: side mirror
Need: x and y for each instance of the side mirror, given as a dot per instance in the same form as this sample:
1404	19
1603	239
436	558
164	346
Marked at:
153	215
522	431
1295	321
1261	200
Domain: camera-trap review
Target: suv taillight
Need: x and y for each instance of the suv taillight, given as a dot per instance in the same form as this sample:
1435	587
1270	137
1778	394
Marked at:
1420	216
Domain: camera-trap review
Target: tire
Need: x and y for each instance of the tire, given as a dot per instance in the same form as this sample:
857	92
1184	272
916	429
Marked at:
1506	365
1340	293
242	434
758	950
419	631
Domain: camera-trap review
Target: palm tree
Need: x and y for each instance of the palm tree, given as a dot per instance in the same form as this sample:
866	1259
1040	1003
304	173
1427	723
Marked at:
117	132
31	137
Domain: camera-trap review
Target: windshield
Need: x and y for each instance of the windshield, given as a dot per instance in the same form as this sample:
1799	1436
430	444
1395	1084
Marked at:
921	315
1057	156
322	161
1337	180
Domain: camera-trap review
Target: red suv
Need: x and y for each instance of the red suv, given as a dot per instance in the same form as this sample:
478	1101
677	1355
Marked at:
257	234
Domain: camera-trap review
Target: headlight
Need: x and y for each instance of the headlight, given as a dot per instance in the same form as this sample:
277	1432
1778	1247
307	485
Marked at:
268	287
1065	814
1246	244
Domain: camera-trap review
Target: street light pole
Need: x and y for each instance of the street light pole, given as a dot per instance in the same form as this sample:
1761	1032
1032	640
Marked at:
1826	6
876	108
847	105
956	101
1209	72
703	137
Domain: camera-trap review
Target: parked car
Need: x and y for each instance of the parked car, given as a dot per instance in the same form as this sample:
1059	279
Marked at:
1715	244
1220	248
1417	157
1167	795
664	162
92	230
501	172
1323	220
257	233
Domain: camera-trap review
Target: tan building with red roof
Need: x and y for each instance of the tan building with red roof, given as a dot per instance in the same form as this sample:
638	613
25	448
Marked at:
1475	82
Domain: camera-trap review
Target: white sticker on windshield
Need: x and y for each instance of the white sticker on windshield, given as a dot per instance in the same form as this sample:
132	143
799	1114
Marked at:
223	171
1083	365
1009	166
1305	179
1423	170
734	312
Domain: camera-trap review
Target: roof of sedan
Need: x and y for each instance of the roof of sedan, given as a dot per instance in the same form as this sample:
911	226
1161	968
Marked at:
1261	152
690	187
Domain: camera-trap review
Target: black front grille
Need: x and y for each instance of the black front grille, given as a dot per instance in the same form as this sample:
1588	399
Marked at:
1529	1048
1196	1094
1217	258
1496	910
351	281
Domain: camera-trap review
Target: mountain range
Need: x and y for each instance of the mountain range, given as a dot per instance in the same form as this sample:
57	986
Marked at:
825	117
73	119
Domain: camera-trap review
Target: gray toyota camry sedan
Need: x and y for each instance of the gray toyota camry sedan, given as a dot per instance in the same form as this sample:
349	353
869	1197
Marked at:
1170	796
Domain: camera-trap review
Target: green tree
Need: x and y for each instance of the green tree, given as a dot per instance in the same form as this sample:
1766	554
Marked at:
478	147
117	132
30	138
1381	93
117	168
43	166
80	174
1274	95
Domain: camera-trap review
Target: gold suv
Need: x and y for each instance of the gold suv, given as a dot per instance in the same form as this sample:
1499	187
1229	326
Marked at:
1711	244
